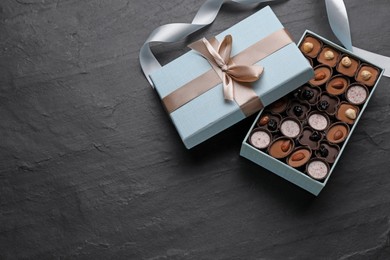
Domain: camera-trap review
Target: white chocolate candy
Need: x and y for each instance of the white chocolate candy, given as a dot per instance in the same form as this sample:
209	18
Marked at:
356	95
260	139
318	122
317	169
290	128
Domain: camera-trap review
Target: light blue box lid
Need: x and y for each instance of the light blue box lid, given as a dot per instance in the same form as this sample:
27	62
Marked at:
209	114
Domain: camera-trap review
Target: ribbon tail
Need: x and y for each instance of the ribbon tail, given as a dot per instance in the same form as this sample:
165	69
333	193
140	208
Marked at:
338	21
228	91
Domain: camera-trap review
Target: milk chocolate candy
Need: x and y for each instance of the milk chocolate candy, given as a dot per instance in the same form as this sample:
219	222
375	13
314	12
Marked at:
347	68
347	113
367	75
337	84
322	74
281	147
337	132
328	56
299	157
311	47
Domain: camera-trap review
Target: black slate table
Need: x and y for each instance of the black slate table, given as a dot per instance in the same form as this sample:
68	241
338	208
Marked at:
92	168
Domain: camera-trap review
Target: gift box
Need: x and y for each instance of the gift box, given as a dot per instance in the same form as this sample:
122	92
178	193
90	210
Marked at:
194	92
302	136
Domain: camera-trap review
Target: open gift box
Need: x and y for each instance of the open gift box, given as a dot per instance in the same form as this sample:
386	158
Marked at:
193	92
301	136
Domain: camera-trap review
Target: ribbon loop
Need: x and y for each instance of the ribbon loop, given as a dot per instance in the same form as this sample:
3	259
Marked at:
229	72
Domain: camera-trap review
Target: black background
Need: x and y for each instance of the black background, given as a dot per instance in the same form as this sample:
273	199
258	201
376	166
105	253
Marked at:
91	166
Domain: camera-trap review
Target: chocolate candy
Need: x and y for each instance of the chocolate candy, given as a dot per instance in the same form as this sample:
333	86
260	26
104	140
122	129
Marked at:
317	169
279	106
281	147
299	157
356	94
310	138
322	74
323	105
337	85
323	151
260	138
328	152
318	121
347	113
290	127
367	75
298	110
337	132
311	46
347	66
315	136
328	56
272	125
328	104
307	94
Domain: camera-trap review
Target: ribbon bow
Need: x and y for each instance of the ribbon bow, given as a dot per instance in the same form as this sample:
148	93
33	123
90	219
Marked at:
222	63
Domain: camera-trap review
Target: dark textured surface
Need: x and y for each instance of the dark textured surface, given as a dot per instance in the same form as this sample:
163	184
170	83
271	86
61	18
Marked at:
91	166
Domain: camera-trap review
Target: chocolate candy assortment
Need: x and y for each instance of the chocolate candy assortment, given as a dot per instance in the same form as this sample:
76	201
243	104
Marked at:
307	128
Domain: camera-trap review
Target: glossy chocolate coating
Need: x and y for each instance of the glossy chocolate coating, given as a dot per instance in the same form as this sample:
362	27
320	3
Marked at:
317	45
278	146
349	71
336	79
333	151
331	135
279	106
374	75
298	163
341	112
331	101
321	69
312	98
310	138
293	108
330	62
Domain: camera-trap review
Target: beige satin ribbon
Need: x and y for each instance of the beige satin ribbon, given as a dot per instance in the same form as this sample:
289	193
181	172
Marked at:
235	78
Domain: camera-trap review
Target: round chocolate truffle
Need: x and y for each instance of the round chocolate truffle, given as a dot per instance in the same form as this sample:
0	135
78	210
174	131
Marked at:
281	147
290	127
260	138
337	85
318	121
356	94
299	157
317	169
337	132
347	113
328	56
347	65
367	75
322	74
